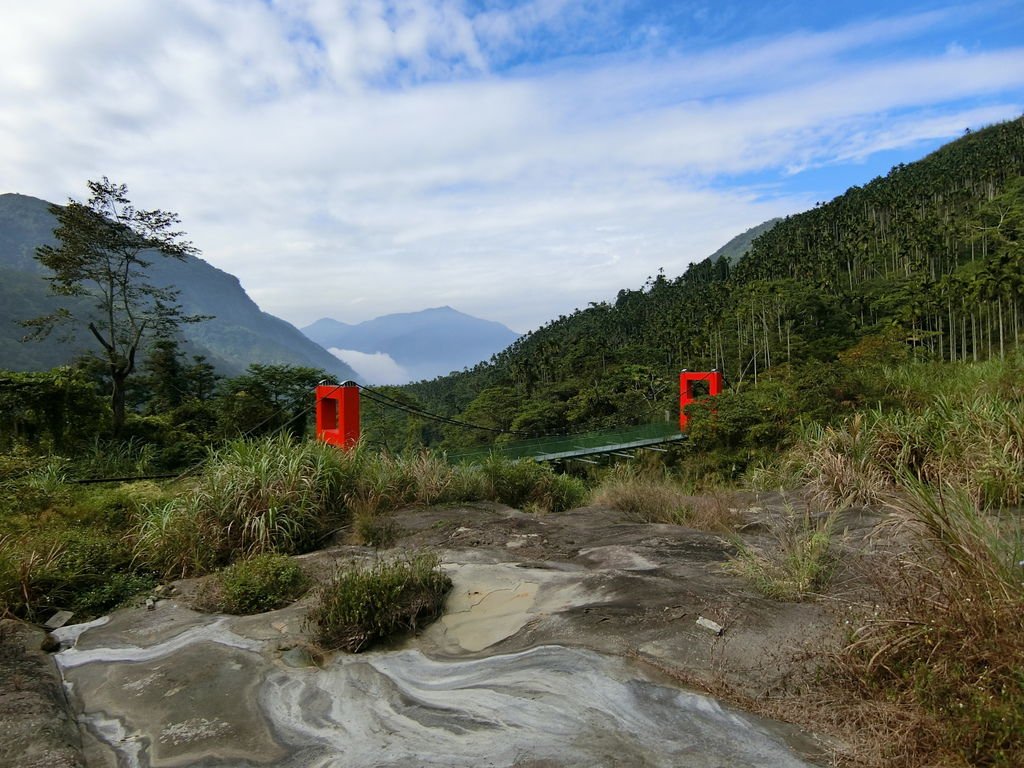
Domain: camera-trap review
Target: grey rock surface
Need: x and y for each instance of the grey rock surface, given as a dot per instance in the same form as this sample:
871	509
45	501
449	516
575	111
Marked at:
36	730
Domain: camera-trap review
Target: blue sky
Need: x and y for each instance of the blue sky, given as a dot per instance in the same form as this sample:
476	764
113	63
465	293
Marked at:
514	160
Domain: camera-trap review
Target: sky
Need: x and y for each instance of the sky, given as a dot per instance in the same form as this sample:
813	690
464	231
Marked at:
514	160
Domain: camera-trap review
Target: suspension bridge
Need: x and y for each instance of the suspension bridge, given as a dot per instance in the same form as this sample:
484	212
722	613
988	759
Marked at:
337	423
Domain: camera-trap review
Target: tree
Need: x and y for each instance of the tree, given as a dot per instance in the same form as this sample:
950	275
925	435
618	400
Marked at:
104	250
169	381
267	398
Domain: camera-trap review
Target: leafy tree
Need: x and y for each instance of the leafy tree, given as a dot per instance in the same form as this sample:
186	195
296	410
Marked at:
105	247
267	398
170	381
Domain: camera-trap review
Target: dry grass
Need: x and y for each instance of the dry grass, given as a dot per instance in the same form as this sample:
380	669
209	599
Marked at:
945	644
653	497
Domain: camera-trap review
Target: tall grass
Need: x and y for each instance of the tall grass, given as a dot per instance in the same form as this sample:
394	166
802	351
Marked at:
965	426
253	497
528	484
276	495
116	458
650	495
947	639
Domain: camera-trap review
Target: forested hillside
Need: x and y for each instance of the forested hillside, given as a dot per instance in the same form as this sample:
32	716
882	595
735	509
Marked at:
926	261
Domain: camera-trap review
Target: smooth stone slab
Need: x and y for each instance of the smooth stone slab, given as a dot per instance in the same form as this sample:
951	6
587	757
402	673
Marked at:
208	696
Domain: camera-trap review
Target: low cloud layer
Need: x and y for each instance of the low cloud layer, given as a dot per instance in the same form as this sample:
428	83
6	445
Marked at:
516	160
375	368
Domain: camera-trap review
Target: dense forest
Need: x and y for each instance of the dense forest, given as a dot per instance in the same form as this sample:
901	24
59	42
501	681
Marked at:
923	263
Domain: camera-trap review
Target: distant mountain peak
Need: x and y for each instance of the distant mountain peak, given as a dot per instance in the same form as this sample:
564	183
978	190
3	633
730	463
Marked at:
737	248
424	344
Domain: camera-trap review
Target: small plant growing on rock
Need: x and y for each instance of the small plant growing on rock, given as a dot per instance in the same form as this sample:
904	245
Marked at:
799	566
261	583
361	605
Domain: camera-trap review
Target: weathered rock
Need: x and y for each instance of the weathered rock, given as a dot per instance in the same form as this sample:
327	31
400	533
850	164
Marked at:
36	729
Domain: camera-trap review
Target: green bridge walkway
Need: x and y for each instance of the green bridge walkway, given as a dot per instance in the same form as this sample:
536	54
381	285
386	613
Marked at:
582	447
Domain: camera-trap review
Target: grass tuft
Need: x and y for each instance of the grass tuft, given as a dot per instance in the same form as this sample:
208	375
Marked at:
797	565
262	583
362	605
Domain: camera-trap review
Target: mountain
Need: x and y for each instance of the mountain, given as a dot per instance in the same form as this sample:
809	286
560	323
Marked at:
738	247
423	344
923	262
238	334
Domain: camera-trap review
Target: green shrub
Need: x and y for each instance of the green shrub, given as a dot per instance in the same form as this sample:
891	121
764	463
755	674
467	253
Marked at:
525	483
362	605
261	583
115	589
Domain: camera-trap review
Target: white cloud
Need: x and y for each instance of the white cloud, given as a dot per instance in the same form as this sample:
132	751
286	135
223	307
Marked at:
354	159
373	368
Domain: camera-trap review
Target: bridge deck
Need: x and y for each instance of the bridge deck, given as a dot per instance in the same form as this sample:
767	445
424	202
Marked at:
582	445
600	450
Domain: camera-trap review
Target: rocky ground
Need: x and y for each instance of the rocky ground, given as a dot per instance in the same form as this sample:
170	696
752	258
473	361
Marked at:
37	729
577	596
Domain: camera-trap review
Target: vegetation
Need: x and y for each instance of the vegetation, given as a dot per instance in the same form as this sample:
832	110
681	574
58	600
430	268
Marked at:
923	263
946	642
103	253
362	605
261	583
654	496
253	497
930	666
796	565
526	483
63	548
87	548
871	351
